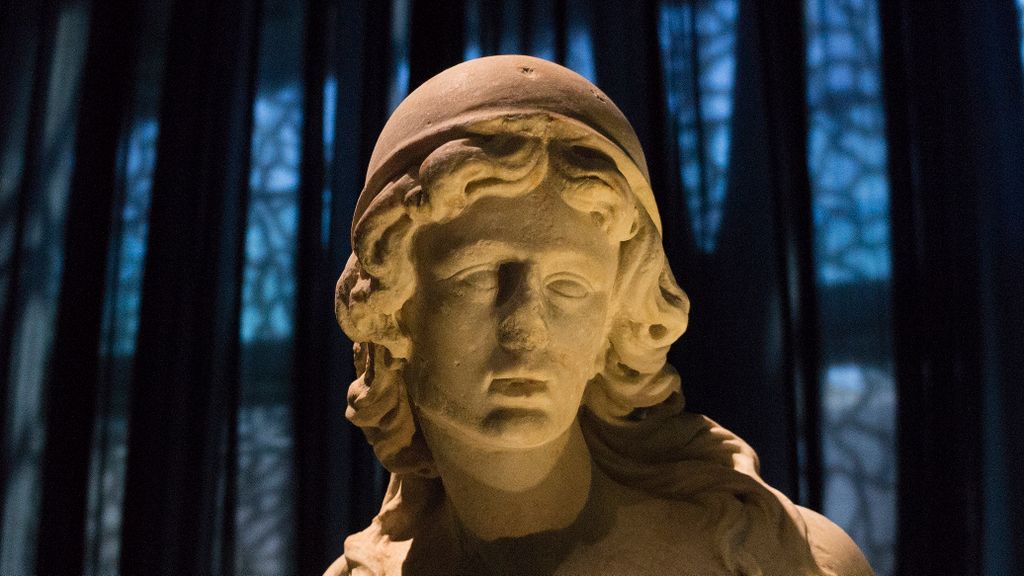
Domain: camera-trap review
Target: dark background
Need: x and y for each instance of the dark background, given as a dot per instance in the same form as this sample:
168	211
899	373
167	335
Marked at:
842	189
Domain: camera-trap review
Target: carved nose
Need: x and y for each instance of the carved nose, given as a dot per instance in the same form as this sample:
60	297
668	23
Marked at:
523	329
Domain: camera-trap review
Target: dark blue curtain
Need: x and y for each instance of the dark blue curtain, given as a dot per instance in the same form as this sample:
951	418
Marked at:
842	187
957	136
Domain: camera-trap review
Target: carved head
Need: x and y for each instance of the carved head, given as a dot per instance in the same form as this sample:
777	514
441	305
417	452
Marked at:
507	265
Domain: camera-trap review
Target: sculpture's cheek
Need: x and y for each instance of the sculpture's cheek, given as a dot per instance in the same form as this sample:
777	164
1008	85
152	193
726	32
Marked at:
451	348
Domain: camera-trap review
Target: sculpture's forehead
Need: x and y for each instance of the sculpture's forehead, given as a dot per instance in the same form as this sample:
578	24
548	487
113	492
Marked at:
538	225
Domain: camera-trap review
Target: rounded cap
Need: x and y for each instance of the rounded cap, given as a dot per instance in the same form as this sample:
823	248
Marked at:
510	86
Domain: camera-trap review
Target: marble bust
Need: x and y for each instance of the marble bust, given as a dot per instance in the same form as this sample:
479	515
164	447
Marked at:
512	307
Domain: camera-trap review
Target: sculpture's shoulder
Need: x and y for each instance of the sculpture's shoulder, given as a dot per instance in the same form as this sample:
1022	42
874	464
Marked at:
834	551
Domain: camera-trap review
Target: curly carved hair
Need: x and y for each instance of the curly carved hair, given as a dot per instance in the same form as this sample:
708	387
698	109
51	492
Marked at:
505	142
502	157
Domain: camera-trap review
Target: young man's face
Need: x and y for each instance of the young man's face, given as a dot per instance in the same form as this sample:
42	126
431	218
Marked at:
510	317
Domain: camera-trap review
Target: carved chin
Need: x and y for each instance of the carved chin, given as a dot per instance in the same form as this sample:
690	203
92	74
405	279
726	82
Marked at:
503	428
519	427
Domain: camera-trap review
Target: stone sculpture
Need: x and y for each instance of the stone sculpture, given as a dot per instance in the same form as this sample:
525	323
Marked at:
512	307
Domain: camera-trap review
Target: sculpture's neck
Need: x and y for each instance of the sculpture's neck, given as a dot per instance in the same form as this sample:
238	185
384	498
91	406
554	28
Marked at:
513	493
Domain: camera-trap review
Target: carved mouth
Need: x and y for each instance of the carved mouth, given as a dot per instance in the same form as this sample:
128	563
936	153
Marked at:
517	387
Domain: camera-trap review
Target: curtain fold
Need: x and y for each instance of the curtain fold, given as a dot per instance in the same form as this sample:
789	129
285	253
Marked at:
40	177
71	387
339	481
26	40
310	374
185	387
785	88
430	22
953	95
31	28
735	355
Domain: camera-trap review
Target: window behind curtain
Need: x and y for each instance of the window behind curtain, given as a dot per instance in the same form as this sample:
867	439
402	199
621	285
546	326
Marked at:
847	169
265	473
698	47
123	289
850	195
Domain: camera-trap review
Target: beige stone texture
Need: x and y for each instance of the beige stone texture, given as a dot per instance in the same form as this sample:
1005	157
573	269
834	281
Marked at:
512	307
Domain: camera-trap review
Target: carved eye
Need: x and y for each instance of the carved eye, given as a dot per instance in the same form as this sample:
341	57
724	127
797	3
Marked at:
480	279
568	286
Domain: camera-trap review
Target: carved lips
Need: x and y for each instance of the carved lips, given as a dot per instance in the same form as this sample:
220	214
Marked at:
517	387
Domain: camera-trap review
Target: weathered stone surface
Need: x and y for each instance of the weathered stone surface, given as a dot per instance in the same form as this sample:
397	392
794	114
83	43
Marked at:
512	307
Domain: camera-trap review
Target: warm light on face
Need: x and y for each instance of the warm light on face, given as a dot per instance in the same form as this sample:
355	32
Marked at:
509	319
